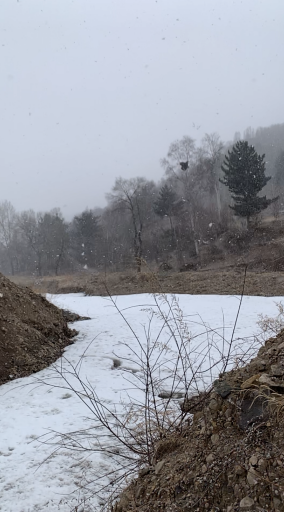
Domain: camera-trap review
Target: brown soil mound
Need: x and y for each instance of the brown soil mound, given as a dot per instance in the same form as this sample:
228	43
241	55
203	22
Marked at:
231	455
33	332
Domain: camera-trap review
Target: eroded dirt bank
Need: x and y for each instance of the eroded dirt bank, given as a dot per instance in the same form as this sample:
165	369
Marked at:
230	457
33	332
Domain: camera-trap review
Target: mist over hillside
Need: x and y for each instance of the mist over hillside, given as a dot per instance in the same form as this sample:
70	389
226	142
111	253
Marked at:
189	217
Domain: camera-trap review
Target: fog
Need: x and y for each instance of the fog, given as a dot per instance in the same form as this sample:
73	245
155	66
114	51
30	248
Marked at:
94	90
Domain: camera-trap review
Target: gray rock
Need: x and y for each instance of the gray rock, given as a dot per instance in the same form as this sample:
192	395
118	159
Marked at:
116	363
215	439
175	395
252	477
210	458
247	503
253	410
277	370
266	380
253	460
145	471
213	405
260	365
222	387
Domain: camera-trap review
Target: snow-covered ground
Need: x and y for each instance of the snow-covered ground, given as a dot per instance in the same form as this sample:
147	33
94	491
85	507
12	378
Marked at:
31	477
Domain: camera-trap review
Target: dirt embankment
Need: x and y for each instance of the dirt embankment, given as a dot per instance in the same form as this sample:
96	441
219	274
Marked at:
33	332
230	457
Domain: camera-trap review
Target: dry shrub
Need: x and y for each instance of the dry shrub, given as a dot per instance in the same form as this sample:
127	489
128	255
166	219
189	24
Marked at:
237	241
270	326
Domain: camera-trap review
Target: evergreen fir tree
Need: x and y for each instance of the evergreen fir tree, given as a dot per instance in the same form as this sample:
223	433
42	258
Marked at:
164	204
244	172
279	169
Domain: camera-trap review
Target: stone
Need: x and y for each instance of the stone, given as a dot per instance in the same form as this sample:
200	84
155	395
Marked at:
167	395
260	365
276	370
222	387
252	381
159	466
266	380
215	439
253	411
210	458
204	469
144	471
239	470
247	503
252	477
213	405
253	460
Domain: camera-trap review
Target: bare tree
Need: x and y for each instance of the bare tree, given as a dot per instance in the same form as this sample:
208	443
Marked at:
212	151
180	165
46	235
180	155
8	235
134	196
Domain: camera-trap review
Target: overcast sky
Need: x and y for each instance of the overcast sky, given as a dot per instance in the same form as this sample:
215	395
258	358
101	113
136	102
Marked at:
95	89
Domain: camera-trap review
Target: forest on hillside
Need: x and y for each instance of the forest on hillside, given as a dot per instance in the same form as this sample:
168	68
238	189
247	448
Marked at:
169	224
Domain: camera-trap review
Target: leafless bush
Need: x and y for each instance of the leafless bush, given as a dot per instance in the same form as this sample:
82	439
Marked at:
270	326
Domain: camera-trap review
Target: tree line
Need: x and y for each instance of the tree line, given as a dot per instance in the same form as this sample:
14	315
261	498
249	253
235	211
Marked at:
203	191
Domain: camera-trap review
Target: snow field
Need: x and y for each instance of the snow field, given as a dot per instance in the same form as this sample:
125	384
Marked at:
32	477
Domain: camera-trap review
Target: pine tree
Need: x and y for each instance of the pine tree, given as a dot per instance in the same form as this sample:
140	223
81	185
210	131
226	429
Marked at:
244	171
164	205
279	169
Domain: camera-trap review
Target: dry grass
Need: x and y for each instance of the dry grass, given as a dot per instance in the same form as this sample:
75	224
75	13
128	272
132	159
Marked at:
68	283
273	401
227	281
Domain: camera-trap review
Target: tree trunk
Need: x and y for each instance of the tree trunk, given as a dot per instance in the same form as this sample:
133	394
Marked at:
218	201
39	266
11	263
194	234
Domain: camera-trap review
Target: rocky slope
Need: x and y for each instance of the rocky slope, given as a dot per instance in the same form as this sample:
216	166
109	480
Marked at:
230	456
